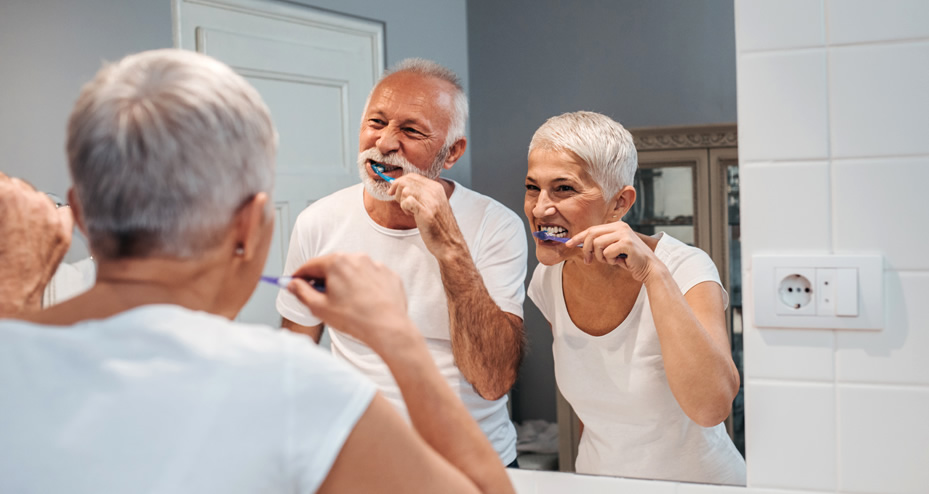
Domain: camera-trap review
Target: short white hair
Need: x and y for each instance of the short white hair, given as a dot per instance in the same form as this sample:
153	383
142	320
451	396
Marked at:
427	68
602	143
163	147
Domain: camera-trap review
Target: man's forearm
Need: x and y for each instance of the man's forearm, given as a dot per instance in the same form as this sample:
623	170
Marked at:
452	433
486	341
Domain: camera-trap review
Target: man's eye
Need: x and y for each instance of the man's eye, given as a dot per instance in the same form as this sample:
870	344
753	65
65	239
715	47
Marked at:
377	121
411	130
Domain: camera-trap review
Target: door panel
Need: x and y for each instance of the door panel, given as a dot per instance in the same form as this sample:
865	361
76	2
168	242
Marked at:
314	70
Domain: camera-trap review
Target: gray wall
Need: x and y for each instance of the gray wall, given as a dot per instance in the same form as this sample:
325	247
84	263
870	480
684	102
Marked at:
49	48
644	63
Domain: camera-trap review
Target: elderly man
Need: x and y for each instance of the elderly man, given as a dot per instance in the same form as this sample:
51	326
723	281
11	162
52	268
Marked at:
461	255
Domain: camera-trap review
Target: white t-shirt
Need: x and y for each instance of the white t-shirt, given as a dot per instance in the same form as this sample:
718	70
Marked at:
633	426
164	399
497	241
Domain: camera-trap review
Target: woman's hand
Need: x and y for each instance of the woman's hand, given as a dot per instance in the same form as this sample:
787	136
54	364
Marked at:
363	298
605	243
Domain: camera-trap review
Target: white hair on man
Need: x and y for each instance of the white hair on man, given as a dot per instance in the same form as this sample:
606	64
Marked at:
164	146
602	143
428	68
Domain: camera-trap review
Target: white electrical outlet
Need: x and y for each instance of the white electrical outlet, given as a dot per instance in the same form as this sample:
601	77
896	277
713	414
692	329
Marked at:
795	291
845	292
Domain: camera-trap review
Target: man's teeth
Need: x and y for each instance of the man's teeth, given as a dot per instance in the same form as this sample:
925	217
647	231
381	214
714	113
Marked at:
385	167
555	231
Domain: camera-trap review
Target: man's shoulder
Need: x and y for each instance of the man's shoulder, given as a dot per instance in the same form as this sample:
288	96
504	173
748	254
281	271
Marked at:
469	201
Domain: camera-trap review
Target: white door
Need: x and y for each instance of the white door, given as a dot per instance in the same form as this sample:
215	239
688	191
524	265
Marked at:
314	70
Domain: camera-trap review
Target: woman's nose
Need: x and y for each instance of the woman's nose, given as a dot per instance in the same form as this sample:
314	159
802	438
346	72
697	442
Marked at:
543	206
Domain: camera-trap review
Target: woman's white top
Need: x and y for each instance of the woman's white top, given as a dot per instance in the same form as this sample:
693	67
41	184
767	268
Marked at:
616	383
162	399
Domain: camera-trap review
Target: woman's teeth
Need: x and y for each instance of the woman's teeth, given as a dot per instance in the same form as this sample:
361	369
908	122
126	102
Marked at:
554	231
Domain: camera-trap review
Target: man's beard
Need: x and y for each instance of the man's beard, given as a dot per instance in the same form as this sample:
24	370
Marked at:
377	188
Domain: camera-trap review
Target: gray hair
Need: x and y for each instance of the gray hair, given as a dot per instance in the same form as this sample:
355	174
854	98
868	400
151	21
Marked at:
596	139
164	146
428	68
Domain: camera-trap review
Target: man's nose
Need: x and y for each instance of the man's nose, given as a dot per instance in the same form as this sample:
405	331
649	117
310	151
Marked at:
387	141
543	206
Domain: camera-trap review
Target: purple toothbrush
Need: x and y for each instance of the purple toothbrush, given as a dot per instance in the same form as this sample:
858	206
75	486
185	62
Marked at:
283	281
544	236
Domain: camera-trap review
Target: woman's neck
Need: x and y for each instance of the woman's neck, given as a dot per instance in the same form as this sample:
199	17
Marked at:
125	284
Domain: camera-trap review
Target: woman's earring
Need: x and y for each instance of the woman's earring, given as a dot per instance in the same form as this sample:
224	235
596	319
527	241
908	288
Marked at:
240	251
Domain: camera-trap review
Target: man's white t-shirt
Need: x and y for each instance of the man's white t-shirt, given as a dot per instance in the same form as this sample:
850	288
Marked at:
497	241
616	383
164	399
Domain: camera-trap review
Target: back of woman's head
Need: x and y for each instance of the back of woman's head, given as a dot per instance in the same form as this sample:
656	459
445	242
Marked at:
163	148
605	145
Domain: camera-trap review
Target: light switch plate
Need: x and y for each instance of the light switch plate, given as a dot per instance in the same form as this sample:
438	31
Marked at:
855	298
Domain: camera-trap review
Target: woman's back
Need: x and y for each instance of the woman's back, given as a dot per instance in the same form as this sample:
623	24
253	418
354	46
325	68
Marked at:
164	399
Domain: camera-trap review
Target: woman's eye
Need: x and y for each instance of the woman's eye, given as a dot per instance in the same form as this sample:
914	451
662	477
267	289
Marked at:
564	188
531	187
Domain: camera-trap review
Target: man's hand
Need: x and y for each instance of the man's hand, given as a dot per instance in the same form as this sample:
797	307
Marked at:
427	201
34	237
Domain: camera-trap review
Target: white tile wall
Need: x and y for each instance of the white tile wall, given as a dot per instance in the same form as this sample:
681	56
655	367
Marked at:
881	206
857	21
884	437
879	96
790	435
760	24
900	353
796	215
782	106
865	426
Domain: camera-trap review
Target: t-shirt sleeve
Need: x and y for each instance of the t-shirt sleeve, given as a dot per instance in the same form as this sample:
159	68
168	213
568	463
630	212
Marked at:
502	260
694	268
540	292
327	398
288	306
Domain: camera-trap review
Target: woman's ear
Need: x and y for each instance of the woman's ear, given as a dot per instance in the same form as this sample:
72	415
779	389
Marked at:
622	202
75	206
250	223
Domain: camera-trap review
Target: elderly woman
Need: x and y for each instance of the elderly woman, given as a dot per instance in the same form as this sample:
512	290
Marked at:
640	341
144	384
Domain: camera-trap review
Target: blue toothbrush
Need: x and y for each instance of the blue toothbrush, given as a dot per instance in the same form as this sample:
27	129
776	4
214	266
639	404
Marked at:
379	169
544	236
283	281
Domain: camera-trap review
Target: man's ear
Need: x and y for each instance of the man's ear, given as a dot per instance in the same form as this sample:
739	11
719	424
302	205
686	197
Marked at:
455	152
250	220
75	206
622	202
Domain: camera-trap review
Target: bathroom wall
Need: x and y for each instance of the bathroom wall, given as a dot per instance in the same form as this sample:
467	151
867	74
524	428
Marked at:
833	107
833	121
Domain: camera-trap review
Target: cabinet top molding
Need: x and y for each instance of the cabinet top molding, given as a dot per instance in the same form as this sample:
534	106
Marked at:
685	137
